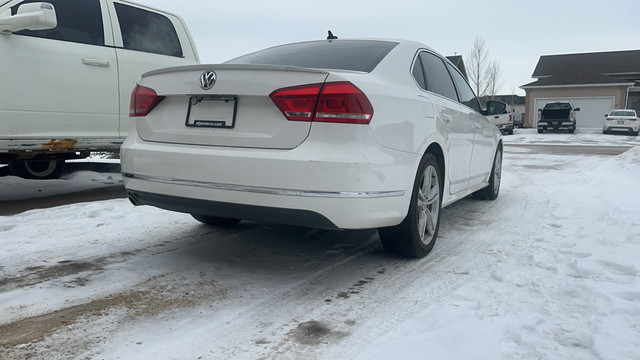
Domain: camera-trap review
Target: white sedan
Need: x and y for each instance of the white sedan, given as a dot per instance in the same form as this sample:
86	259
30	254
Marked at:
335	134
621	120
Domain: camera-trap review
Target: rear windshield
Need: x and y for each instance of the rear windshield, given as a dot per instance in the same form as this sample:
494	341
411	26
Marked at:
557	106
623	113
356	55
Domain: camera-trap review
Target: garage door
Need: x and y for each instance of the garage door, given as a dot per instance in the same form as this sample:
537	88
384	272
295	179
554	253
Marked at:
592	109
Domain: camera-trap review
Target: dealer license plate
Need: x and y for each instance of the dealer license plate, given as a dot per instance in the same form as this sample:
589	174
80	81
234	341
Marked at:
217	111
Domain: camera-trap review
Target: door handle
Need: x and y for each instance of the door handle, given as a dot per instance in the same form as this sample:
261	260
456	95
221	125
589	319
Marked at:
96	62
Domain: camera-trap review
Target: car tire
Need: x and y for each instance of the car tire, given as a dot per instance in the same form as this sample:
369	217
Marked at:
37	169
493	189
216	220
571	131
540	131
510	132
416	235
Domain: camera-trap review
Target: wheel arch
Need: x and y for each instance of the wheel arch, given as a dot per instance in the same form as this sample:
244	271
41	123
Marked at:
436	150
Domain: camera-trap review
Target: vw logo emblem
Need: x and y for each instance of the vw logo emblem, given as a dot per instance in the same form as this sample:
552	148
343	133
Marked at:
207	80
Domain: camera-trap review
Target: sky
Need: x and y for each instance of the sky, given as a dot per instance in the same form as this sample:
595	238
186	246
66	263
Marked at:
517	33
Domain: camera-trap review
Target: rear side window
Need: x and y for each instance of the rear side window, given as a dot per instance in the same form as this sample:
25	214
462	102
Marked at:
495	107
437	77
466	95
356	55
78	21
147	31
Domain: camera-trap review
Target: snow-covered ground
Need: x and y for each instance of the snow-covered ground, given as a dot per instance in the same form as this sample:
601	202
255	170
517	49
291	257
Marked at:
547	271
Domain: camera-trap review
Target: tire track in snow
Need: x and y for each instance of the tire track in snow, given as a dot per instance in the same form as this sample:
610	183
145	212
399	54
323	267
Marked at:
365	293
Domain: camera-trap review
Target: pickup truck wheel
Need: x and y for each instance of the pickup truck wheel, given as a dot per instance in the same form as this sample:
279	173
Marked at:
37	169
416	235
491	192
571	131
540	131
215	220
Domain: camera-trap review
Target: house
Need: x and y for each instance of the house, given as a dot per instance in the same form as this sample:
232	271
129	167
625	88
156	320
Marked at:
594	82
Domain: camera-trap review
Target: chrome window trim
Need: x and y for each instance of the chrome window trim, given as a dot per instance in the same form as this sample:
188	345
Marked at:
268	190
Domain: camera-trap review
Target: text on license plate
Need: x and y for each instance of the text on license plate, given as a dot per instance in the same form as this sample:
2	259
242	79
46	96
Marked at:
620	121
217	111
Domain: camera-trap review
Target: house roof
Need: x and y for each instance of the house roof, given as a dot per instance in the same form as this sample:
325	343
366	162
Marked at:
602	68
507	99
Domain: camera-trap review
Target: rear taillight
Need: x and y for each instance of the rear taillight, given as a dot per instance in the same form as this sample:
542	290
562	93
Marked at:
340	102
633	119
571	115
609	119
143	100
510	118
297	103
539	115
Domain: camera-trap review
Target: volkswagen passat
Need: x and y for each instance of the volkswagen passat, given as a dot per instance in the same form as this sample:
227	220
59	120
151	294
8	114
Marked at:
337	134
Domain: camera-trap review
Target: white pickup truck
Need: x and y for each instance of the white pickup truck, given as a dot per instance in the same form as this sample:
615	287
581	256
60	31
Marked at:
498	115
68	69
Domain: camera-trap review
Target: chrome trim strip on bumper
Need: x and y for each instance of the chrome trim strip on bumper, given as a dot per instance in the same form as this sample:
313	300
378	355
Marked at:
270	191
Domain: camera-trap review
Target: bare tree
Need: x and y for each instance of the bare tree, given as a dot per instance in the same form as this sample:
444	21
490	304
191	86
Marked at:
494	78
484	73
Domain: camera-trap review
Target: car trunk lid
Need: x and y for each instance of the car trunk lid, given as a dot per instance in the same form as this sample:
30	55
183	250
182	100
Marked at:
224	105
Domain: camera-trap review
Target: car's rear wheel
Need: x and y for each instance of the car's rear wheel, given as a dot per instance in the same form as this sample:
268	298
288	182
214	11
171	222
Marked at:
216	220
37	169
416	235
491	192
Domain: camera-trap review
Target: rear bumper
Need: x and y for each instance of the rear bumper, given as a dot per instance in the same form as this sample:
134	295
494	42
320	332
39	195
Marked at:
353	185
619	127
47	147
555	124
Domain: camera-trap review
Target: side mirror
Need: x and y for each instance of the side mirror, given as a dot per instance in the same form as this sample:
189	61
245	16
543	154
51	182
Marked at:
539	109
34	16
576	109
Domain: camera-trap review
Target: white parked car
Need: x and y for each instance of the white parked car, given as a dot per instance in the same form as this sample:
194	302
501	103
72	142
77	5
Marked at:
337	134
68	68
621	120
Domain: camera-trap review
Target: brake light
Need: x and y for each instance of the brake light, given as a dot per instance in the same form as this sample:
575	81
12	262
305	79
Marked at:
340	102
143	100
510	118
609	119
633	119
539	115
571	115
297	103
